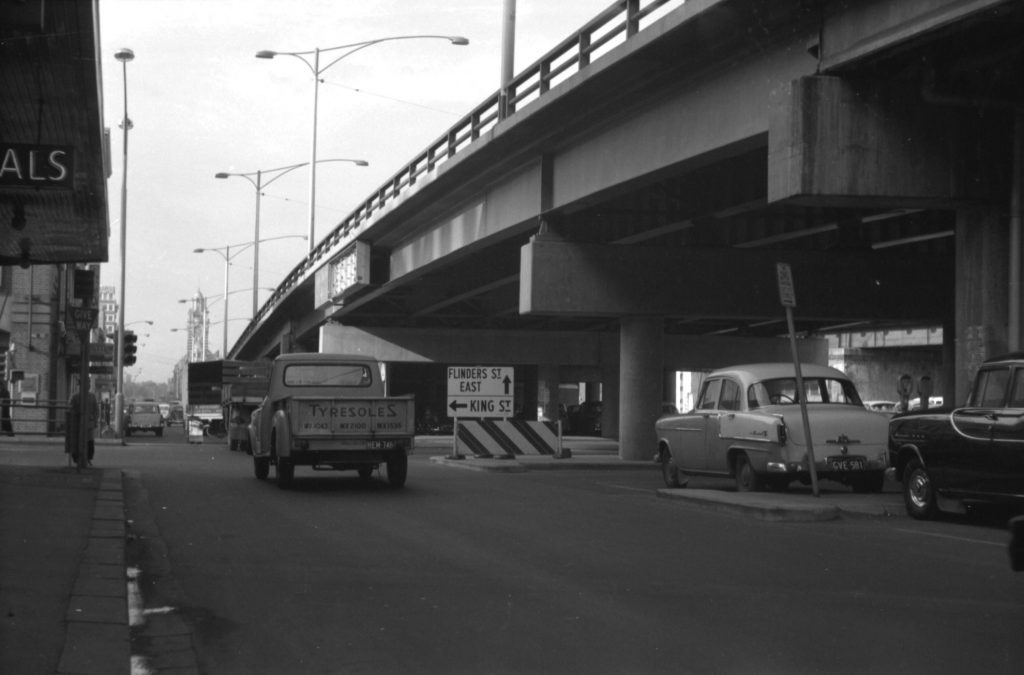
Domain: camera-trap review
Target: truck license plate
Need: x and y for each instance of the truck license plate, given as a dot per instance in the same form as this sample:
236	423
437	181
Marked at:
382	445
845	463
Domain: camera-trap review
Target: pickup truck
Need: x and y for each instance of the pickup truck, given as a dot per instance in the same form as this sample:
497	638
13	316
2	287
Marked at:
950	456
330	412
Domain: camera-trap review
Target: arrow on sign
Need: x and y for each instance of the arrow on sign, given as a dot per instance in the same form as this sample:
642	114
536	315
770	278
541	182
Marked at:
507	381
456	405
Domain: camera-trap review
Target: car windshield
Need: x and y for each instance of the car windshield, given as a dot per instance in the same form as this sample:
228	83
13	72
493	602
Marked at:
146	408
783	391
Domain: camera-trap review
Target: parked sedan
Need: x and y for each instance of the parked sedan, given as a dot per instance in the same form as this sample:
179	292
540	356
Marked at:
748	425
947	457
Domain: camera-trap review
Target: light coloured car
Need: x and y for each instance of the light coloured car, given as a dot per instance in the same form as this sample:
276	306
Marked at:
887	407
144	416
748	425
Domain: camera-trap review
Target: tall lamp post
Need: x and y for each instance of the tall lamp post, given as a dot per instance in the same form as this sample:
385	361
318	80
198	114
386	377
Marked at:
259	185
225	252
317	71
123	55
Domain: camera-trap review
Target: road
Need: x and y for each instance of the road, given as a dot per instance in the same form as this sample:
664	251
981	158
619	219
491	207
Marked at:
542	572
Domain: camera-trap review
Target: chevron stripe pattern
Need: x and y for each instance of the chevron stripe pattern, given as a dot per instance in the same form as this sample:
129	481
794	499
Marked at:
507	438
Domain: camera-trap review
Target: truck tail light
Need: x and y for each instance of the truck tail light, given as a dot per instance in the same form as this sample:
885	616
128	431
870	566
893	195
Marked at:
783	434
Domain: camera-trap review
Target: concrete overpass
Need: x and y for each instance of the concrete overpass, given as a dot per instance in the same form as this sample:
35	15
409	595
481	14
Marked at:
619	210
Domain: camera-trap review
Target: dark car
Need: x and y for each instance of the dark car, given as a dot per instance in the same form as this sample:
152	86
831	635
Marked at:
946	457
585	419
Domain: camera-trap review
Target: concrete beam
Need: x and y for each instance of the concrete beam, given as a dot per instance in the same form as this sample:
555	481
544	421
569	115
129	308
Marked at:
833	142
580	354
559	278
860	30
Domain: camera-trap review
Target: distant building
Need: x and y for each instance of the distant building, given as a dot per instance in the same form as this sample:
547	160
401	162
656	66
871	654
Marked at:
107	320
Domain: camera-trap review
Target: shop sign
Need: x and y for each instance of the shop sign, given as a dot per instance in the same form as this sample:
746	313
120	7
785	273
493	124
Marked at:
24	165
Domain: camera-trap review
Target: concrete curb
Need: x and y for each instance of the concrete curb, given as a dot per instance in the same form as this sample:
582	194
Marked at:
540	463
792	507
760	508
98	640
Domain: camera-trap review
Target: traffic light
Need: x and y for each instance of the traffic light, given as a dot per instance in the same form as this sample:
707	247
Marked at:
130	338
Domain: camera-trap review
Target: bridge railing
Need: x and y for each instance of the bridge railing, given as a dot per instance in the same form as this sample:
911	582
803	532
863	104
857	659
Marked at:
612	27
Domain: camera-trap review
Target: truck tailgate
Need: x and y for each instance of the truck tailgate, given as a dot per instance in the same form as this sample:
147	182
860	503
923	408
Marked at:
315	417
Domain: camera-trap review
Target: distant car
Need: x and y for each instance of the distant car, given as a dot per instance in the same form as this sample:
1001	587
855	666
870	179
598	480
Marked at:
176	415
947	457
881	406
748	425
165	412
144	416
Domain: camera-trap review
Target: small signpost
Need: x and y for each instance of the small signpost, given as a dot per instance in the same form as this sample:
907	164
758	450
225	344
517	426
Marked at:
479	391
787	296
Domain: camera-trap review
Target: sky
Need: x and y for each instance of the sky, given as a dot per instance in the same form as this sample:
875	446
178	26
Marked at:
201	103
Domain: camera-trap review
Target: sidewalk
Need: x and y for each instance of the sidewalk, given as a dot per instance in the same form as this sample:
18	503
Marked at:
63	591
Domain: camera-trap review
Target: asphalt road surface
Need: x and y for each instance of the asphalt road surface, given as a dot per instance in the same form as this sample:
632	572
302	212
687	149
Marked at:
541	572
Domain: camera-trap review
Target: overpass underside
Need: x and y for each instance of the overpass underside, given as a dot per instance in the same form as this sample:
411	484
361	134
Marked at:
629	220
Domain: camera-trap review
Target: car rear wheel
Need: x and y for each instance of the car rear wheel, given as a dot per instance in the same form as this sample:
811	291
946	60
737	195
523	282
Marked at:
669	470
919	492
747	479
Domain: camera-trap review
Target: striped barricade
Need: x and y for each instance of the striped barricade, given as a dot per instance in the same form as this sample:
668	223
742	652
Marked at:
507	438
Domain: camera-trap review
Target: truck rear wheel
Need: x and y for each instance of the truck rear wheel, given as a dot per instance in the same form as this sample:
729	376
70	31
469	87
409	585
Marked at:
398	468
261	467
285	473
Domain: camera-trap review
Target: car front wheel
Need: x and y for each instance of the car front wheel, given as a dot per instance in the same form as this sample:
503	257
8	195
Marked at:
919	492
669	470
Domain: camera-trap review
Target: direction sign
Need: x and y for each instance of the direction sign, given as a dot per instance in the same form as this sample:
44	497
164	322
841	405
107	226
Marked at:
480	391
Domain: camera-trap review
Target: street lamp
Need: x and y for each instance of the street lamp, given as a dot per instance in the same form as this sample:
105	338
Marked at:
225	252
220	296
259	185
123	55
317	71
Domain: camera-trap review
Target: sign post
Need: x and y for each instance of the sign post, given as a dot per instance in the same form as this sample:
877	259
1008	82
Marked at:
479	391
787	296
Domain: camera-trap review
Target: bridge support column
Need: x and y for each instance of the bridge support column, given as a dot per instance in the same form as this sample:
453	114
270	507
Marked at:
640	385
982	283
547	390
